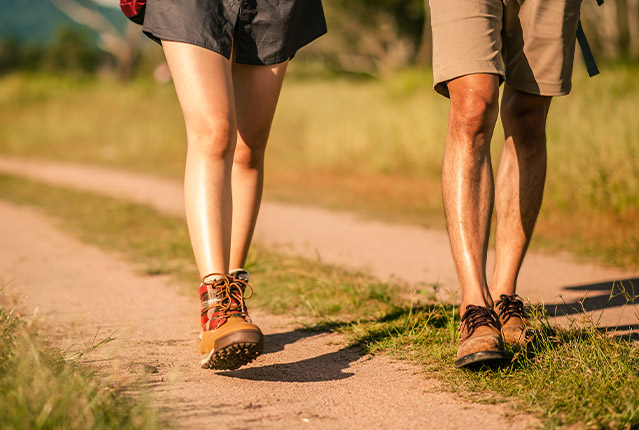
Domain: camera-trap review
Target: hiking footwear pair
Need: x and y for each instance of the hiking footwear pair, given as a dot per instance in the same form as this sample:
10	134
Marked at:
483	332
229	338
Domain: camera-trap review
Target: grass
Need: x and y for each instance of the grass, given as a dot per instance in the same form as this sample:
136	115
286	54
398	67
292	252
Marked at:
42	388
577	376
367	145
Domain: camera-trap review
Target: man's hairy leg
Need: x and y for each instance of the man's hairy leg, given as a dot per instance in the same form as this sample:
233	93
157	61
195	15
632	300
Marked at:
467	180
520	183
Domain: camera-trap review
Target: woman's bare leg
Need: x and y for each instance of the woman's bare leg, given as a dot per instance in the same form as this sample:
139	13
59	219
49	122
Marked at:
256	89
203	82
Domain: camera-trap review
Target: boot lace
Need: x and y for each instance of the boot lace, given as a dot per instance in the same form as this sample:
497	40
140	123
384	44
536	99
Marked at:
477	316
510	306
225	297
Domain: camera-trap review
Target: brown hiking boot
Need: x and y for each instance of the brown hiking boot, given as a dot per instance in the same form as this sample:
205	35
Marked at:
480	339
512	317
229	339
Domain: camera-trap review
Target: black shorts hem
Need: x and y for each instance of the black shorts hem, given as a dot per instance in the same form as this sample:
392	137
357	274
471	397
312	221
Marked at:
539	88
282	58
158	38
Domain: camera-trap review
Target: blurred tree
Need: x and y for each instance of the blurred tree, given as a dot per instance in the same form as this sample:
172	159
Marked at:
425	53
633	28
18	56
124	47
613	28
71	51
375	36
10	55
608	27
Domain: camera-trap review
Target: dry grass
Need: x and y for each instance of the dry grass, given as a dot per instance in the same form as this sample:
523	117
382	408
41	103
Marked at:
41	388
358	144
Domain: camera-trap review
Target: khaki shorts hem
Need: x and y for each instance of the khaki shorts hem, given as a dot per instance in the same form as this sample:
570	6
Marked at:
550	89
441	77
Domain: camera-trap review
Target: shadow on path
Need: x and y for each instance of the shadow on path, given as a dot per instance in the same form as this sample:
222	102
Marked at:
623	332
326	367
615	293
277	341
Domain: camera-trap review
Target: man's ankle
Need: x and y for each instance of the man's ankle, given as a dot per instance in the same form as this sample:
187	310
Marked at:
497	292
477	302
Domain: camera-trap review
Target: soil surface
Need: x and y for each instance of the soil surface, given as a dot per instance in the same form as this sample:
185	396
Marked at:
304	379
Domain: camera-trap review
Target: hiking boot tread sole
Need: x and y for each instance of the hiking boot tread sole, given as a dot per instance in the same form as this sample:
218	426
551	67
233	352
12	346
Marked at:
234	350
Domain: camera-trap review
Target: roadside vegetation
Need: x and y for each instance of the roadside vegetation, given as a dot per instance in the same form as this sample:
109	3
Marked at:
579	375
358	143
44	388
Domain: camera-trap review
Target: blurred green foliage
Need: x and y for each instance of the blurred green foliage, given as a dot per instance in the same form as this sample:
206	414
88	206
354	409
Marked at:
407	15
71	52
16	56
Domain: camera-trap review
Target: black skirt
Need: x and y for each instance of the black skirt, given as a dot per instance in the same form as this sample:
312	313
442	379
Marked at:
265	31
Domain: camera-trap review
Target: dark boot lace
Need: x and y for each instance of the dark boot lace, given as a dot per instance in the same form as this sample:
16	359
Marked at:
510	306
224	298
477	316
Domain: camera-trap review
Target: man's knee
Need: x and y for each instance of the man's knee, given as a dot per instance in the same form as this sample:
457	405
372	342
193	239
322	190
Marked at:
474	106
524	115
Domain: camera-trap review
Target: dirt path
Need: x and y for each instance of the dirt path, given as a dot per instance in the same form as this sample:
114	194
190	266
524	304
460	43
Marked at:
412	253
304	380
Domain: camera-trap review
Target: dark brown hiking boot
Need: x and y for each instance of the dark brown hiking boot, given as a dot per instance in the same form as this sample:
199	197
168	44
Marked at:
512	317
229	339
480	338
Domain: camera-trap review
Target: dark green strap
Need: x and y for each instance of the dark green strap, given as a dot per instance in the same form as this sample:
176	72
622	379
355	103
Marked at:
591	64
589	59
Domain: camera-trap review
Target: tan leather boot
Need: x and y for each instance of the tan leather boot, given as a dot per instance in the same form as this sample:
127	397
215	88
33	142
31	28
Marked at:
229	339
512	316
480	338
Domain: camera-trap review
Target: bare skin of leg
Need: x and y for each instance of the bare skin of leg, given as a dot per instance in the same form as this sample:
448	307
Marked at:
257	89
520	183
203	82
228	110
467	180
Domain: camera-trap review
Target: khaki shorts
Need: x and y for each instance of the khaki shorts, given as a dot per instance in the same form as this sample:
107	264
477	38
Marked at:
533	40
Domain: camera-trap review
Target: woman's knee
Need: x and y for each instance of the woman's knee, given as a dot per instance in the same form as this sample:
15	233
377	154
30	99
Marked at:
213	137
251	146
